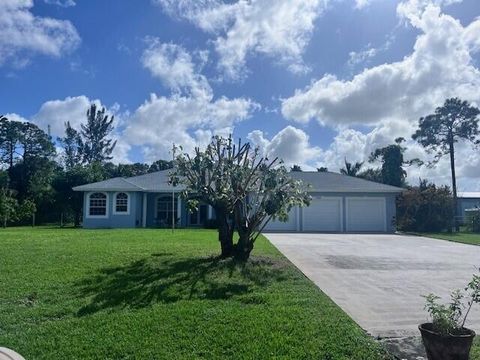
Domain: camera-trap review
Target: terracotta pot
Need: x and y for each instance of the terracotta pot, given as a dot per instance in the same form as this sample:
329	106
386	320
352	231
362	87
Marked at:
446	347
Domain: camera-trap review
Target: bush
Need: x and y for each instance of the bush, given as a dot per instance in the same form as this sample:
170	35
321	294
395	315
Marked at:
473	221
425	208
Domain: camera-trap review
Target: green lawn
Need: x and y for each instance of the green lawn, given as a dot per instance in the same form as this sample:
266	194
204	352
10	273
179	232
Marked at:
151	294
461	237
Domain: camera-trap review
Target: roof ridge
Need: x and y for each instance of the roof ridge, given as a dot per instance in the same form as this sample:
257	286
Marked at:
131	183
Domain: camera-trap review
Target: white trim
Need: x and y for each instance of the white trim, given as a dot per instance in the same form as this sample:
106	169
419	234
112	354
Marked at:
384	200
320	197
144	213
115	212
106	216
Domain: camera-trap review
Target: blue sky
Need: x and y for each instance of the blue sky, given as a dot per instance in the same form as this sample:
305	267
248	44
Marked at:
311	81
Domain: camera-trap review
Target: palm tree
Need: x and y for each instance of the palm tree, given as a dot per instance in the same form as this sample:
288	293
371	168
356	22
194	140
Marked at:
351	169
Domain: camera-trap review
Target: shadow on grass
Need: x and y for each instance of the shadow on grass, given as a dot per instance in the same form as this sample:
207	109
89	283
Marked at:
164	278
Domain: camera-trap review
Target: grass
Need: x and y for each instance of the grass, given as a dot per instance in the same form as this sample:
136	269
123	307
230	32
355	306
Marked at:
151	294
461	237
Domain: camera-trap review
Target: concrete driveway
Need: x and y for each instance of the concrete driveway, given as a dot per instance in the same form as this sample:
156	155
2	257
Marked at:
379	279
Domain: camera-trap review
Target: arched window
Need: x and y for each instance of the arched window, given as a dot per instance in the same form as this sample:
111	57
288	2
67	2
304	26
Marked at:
97	204
122	203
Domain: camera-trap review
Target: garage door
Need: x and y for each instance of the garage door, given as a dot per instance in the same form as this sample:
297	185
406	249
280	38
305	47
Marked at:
366	214
290	225
323	214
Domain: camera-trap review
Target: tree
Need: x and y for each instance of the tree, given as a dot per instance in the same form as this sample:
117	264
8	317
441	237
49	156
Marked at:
371	175
10	133
351	169
322	169
8	203
243	188
72	147
392	160
296	168
425	208
96	146
160	165
69	202
8	206
262	192
455	121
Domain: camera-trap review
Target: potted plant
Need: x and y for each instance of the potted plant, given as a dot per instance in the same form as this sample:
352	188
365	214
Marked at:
446	337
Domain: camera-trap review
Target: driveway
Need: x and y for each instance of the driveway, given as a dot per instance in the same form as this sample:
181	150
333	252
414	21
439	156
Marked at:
379	279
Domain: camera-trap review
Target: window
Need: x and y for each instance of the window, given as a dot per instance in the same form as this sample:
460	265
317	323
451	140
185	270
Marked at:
198	217
121	204
164	210
97	205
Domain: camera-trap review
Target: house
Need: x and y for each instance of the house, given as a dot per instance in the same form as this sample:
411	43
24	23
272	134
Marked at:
340	203
467	200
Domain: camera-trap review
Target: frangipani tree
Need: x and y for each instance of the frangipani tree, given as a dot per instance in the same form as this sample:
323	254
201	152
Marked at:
245	189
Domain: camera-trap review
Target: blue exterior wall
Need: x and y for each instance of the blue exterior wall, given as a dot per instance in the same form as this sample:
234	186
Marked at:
133	219
466	203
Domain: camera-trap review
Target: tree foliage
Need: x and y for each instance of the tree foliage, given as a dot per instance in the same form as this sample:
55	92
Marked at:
425	208
72	145
245	190
392	160
96	145
351	169
438	133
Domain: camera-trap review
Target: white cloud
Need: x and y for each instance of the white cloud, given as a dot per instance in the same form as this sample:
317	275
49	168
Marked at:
393	96
191	114
360	4
61	3
279	29
23	34
174	66
356	58
291	145
55	113
439	67
183	120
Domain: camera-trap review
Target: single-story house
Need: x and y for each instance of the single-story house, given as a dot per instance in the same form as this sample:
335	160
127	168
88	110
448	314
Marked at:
339	203
467	200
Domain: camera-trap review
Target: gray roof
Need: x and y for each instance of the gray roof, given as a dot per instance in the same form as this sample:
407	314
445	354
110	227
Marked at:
153	182
334	182
115	184
319	182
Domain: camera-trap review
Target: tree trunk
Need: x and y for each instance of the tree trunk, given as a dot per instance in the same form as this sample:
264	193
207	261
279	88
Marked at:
225	233
244	246
454	184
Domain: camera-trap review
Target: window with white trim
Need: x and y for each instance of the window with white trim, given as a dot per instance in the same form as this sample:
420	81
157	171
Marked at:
97	205
121	203
165	208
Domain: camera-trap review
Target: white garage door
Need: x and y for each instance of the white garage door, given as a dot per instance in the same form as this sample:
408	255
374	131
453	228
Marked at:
290	225
323	214
366	214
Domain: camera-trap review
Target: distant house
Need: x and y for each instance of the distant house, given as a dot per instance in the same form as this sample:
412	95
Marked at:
467	200
340	203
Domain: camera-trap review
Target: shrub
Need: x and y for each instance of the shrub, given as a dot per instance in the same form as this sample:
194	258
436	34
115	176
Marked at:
449	319
425	208
473	221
